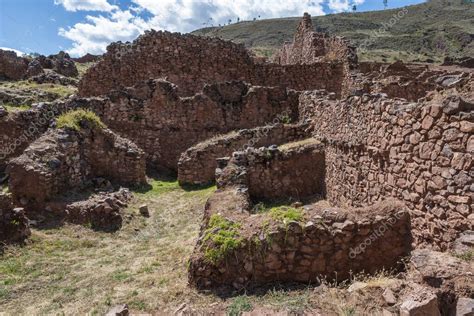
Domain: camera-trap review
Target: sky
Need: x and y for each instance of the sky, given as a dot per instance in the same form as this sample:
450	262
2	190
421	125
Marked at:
88	26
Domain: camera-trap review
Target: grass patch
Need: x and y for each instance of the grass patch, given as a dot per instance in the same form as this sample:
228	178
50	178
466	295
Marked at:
239	305
14	108
466	256
286	214
224	236
158	186
75	119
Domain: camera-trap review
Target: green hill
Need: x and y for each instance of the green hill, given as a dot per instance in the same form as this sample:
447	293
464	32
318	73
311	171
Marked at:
430	30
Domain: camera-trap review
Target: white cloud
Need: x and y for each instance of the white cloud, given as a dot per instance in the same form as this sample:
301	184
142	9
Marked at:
343	5
86	5
94	34
99	31
17	52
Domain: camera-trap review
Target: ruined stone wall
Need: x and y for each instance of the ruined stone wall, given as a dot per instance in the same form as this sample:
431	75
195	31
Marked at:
164	124
321	243
421	153
14	226
310	47
292	172
63	160
197	165
18	129
190	62
12	67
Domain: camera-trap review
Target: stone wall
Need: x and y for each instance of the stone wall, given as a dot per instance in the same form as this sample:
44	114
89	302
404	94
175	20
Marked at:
322	243
421	153
191	62
293	171
164	125
18	129
12	67
14	226
62	160
309	47
197	165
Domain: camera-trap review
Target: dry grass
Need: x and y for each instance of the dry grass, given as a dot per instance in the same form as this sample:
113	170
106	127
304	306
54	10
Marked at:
73	270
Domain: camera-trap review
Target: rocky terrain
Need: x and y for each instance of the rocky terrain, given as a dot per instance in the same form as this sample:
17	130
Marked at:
185	175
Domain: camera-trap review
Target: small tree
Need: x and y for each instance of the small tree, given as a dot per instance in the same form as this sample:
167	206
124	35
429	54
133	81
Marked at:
354	8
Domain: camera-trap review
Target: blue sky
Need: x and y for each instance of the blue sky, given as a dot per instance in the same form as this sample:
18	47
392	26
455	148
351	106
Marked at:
82	26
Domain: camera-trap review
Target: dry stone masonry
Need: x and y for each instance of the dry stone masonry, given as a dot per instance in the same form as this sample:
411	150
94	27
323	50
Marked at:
197	165
64	159
324	166
191	62
314	243
421	153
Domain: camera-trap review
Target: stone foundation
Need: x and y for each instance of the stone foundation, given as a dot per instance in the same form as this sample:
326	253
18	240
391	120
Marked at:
62	160
197	165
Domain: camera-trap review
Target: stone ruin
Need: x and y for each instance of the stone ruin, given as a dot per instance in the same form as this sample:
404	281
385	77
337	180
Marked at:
325	166
13	67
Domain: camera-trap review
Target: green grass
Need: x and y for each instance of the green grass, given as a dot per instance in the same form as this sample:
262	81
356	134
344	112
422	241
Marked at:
286	214
466	256
239	305
13	108
74	119
224	236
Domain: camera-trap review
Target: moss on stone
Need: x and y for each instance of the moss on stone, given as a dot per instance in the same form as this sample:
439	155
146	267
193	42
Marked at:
75	119
224	236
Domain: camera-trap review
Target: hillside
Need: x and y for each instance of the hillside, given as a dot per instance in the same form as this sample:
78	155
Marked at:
430	30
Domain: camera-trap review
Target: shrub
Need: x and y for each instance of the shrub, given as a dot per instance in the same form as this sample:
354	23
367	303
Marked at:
75	119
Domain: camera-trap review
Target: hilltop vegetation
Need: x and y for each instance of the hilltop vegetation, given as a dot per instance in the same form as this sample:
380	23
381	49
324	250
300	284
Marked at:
430	30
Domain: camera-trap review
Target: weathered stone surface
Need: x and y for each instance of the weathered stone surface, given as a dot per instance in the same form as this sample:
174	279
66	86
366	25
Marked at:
14	226
197	165
420	304
191	62
465	307
65	159
367	159
12	67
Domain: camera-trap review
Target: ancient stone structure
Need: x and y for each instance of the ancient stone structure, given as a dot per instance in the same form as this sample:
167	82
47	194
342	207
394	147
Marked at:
197	165
12	67
191	62
164	125
14	226
102	211
309	47
420	153
87	58
60	63
18	129
322	242
295	171
64	159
